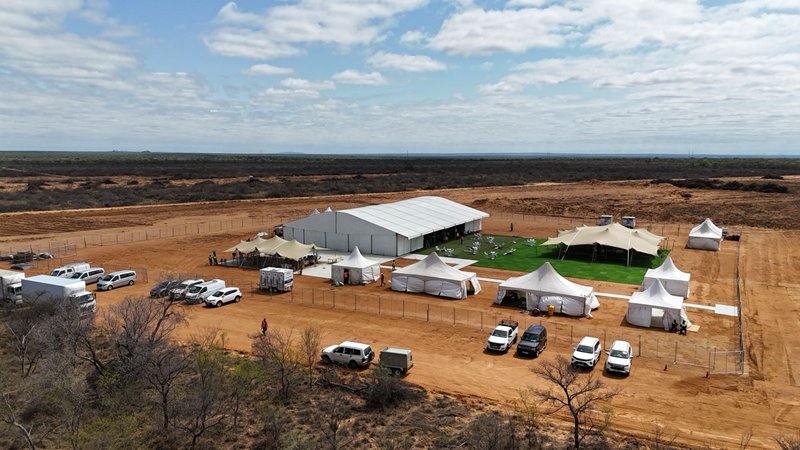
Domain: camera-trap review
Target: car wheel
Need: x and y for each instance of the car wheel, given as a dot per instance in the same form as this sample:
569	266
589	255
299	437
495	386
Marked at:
239	297
110	287
130	283
352	365
326	359
219	304
537	353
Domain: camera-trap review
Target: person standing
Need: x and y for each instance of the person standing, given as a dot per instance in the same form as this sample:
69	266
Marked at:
264	327
383	279
394	265
346	276
210	261
512	227
215	260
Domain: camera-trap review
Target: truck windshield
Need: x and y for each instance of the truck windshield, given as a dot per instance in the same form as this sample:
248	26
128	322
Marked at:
619	354
85	298
500	333
195	289
530	337
107	278
585	349
76	275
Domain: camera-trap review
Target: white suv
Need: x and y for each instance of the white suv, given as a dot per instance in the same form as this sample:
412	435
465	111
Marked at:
619	357
352	354
227	295
587	353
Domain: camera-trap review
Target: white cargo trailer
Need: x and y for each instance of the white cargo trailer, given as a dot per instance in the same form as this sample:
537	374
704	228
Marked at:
276	279
397	360
45	287
11	285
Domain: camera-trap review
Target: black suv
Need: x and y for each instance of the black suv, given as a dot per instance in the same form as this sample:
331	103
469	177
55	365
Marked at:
533	341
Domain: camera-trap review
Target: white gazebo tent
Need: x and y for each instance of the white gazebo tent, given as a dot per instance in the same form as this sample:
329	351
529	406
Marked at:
360	270
655	306
544	286
673	280
705	236
433	276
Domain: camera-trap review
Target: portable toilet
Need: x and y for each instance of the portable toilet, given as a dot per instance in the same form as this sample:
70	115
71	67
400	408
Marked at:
629	221
606	219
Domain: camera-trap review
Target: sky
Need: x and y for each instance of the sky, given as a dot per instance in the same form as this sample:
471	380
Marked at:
393	76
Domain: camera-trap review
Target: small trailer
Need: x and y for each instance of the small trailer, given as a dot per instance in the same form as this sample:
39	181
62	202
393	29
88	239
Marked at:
397	360
606	219
276	279
629	221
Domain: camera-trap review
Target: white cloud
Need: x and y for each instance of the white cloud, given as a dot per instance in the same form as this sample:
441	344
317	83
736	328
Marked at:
274	96
413	37
274	33
479	32
267	69
406	63
357	78
299	83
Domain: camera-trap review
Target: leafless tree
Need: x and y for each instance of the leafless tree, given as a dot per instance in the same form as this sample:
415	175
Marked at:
276	353
663	436
162	370
330	419
310	347
25	335
527	414
580	394
205	403
13	404
274	424
242	380
744	441
788	442
491	431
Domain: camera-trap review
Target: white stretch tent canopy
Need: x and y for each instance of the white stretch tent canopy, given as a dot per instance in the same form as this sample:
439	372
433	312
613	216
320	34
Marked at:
705	236
433	276
673	280
360	270
544	286
274	246
657	305
612	235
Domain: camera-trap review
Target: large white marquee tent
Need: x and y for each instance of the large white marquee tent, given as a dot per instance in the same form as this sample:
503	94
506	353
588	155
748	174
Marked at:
433	276
705	236
360	270
655	305
544	286
673	279
392	229
612	235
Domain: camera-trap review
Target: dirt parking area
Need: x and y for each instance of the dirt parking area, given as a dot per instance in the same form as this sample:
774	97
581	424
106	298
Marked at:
711	411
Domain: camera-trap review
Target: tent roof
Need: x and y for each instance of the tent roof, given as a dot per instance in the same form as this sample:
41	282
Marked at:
356	260
546	279
416	216
293	249
274	245
656	296
707	229
432	266
667	271
328	209
314	212
612	235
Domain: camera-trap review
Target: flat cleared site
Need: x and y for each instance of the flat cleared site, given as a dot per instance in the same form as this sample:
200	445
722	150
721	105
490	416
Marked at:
710	411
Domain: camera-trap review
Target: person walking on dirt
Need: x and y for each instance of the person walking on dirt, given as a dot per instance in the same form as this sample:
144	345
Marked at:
264	327
394	265
683	328
210	261
383	280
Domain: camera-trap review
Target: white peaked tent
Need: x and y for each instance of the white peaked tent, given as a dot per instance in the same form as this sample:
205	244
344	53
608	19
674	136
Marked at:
360	270
544	286
433	276
705	236
328	209
314	212
673	280
655	305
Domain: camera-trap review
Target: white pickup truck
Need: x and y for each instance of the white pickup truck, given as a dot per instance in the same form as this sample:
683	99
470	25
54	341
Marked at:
503	336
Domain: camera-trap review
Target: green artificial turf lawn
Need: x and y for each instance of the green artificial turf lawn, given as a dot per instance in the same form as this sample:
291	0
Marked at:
528	258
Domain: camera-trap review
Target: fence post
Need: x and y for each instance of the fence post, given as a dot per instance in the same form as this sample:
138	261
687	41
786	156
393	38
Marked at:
454	316
481	320
355	304
571	327
676	352
333	295
379	306
604	338
292	297
640	345
404	310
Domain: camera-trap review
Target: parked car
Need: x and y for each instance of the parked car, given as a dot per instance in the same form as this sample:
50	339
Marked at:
351	354
619	357
117	279
199	292
179	291
67	270
587	353
503	336
223	296
93	275
163	288
533	341
397	360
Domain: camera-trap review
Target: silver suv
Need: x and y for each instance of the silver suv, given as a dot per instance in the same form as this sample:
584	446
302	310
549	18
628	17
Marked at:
117	279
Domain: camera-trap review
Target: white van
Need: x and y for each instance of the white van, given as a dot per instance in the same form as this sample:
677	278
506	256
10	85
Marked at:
90	276
200	292
67	270
117	279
